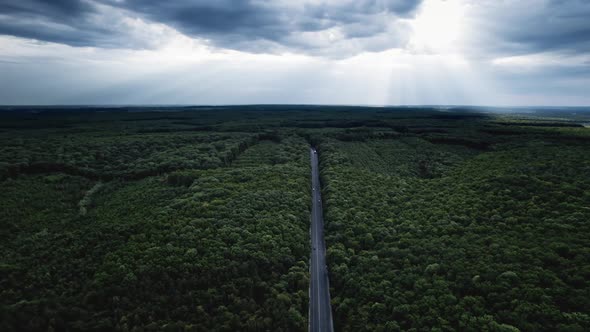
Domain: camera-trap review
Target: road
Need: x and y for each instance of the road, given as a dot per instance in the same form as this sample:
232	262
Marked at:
320	310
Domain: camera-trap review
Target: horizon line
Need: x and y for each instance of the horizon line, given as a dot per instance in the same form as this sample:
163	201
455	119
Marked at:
291	104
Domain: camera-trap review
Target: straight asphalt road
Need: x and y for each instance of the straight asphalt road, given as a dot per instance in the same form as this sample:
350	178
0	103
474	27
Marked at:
320	310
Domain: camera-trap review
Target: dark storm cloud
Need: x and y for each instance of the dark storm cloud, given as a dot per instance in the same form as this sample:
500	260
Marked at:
562	25
63	35
251	25
245	23
524	27
60	21
62	9
500	27
208	17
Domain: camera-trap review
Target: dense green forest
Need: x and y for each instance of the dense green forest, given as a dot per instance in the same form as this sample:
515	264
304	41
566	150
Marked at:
197	219
474	227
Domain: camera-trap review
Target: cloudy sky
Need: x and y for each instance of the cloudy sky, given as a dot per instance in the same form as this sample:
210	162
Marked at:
361	52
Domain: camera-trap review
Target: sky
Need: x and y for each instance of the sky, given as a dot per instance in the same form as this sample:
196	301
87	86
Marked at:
352	52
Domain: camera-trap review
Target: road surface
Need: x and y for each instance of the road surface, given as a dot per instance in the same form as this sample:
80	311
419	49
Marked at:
320	311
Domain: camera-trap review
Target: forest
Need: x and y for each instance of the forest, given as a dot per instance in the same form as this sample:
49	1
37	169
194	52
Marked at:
197	218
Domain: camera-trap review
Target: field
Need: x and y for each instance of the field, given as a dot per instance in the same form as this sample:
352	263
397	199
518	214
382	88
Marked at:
197	219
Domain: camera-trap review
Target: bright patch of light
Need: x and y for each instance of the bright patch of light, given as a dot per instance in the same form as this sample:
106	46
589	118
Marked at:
539	60
439	26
